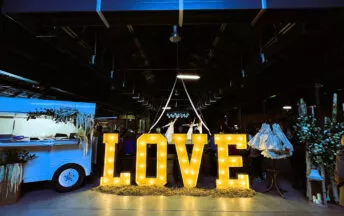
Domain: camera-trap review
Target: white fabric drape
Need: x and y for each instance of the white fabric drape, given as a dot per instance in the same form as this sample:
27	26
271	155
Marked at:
164	109
193	107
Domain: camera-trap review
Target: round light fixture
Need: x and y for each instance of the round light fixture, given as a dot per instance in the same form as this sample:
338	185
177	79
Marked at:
287	107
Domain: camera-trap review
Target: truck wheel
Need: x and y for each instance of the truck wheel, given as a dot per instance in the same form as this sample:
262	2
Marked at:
68	177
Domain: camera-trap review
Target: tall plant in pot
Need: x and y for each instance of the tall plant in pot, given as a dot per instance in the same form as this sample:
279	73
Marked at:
11	174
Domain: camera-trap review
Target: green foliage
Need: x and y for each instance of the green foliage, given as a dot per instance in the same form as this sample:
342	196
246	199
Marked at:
66	115
63	115
15	156
330	144
308	130
323	144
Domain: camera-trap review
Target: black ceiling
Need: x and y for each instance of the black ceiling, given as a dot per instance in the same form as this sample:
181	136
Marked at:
56	50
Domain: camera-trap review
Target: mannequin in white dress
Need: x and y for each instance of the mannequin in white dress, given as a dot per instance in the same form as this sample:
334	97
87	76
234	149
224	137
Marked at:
199	126
170	130
190	130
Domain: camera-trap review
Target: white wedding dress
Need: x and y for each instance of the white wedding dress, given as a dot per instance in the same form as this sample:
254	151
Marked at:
269	142
169	131
190	131
282	144
261	140
199	127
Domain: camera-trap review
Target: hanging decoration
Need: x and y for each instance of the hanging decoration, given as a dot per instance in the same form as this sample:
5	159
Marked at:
165	107
193	107
173	115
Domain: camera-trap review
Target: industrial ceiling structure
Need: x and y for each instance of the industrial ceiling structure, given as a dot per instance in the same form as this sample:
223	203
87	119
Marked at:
124	60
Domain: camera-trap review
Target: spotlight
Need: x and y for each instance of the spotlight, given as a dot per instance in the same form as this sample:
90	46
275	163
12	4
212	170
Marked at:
167	108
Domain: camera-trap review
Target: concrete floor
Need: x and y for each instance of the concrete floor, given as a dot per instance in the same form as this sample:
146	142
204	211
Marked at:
86	202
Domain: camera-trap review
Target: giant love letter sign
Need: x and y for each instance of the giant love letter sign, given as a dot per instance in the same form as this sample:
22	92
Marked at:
225	162
108	178
141	159
189	169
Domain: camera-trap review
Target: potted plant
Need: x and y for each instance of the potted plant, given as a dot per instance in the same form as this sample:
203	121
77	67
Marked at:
11	174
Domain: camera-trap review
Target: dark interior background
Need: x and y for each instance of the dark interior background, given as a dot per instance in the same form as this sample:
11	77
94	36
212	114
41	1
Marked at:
302	48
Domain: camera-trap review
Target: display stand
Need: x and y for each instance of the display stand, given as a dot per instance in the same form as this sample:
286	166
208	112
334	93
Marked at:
272	173
273	183
310	181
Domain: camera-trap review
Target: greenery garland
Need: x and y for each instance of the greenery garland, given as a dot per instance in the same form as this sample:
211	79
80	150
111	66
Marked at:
83	122
64	115
12	156
308	131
